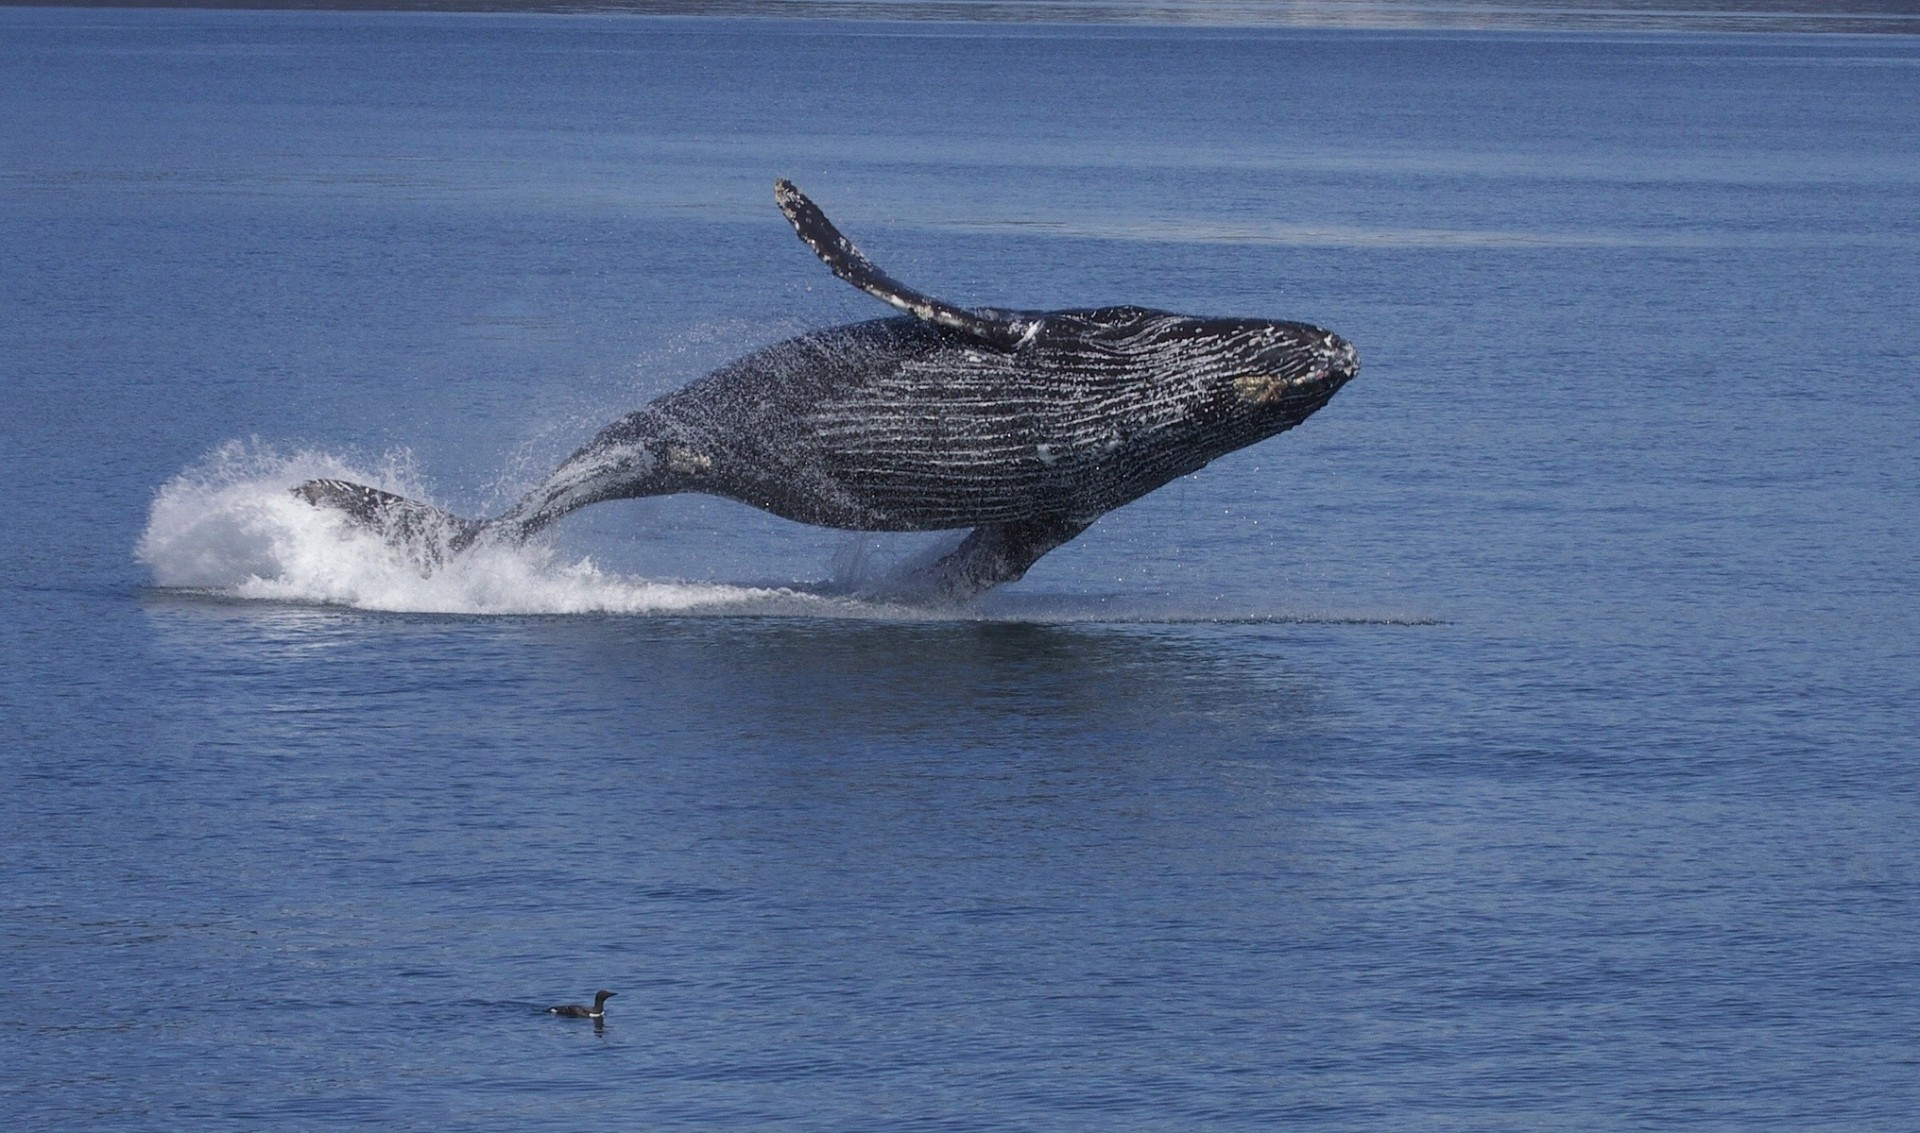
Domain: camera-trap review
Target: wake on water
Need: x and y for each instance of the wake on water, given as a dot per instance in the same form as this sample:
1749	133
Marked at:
231	527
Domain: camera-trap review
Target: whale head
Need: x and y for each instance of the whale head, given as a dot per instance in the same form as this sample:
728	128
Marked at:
1161	395
1253	371
1221	383
1281	372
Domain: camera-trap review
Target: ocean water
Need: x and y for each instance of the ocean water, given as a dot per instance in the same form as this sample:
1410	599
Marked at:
1525	742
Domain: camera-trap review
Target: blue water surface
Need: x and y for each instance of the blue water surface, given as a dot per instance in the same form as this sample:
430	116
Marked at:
1526	742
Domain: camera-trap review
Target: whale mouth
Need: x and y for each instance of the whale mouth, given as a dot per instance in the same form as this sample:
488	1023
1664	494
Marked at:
1266	389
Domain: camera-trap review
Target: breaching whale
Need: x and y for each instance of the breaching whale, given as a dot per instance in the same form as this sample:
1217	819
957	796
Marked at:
1024	426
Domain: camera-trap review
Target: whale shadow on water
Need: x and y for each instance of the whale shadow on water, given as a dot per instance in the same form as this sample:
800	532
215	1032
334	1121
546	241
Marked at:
776	681
1020	428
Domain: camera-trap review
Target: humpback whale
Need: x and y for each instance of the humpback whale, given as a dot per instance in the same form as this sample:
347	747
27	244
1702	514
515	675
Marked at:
1024	426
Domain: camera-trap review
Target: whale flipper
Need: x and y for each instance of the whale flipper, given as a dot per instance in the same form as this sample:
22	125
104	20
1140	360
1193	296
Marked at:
998	328
992	554
426	532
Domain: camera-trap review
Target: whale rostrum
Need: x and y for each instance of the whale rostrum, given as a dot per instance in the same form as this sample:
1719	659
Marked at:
1024	426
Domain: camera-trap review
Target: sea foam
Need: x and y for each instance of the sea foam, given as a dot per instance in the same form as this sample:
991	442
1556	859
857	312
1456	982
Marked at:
231	526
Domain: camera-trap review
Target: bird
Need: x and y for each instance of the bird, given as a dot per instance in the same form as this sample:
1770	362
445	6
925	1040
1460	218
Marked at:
581	1011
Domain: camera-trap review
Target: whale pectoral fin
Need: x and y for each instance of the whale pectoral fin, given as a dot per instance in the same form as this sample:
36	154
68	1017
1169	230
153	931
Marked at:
998	328
994	553
424	532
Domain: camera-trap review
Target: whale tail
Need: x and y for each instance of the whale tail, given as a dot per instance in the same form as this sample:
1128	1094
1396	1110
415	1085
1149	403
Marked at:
427	534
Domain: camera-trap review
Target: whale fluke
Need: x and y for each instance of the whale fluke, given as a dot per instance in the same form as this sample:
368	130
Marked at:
427	532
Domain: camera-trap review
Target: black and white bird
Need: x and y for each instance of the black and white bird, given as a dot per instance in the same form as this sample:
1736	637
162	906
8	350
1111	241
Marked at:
581	1011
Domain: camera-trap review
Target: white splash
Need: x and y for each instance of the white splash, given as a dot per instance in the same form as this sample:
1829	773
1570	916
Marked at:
232	526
